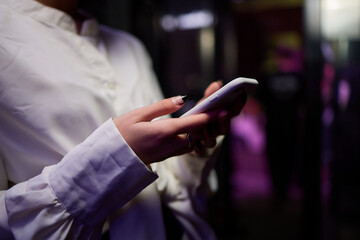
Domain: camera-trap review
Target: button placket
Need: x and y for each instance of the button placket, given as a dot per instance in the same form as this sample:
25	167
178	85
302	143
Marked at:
103	71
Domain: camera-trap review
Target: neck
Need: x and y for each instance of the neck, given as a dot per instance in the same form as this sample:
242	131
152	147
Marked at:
67	6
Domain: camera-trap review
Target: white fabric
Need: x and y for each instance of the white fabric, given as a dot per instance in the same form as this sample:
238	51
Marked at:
71	167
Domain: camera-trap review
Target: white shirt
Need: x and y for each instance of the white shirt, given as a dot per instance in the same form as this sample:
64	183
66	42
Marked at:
72	168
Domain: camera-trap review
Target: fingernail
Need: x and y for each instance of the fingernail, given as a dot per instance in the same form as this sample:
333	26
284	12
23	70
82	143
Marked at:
186	97
220	83
180	100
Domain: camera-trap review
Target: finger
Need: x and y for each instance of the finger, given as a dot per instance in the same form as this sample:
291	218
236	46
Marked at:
184	144
182	151
224	123
192	123
196	135
209	137
160	108
213	87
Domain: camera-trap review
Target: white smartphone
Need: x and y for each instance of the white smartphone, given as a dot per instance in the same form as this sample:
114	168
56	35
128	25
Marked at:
225	95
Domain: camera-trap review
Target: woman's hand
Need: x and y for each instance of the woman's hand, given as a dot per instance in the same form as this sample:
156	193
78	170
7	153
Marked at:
221	125
156	140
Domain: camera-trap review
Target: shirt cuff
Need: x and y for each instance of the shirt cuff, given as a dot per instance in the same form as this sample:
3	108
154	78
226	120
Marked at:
99	176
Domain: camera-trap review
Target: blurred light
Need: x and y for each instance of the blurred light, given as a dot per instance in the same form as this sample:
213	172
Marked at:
169	23
193	20
344	92
207	52
340	19
207	39
331	4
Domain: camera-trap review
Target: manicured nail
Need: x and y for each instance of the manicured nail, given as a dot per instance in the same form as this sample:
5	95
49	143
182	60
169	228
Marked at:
186	97
180	100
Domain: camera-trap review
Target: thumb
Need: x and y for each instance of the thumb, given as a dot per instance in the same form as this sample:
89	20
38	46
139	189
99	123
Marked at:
161	108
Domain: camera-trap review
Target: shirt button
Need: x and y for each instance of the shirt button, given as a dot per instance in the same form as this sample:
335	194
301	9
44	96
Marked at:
111	85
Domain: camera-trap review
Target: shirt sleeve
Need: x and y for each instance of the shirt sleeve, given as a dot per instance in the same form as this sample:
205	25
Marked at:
73	198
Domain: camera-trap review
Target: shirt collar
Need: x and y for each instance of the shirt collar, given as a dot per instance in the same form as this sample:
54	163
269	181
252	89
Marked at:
53	17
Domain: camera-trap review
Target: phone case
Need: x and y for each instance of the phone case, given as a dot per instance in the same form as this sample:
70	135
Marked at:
225	95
